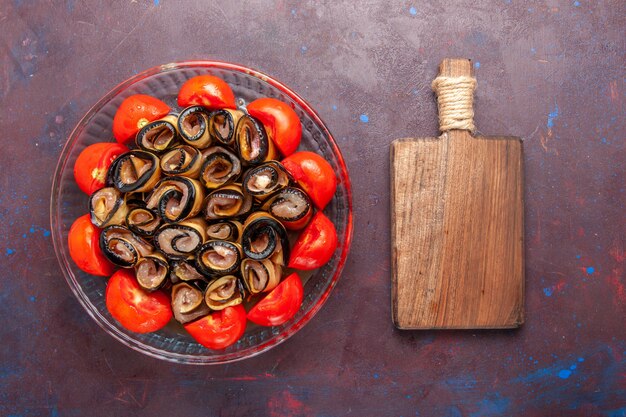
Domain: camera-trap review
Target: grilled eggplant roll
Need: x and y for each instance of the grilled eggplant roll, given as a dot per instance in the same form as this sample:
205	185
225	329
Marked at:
181	240
260	276
223	292
159	135
265	179
193	125
253	144
134	171
176	198
218	257
228	201
107	206
264	237
185	271
222	125
123	247
152	271
220	166
291	206
142	221
188	303
225	230
184	160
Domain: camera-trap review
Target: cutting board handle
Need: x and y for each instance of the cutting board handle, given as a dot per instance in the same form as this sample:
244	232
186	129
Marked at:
454	87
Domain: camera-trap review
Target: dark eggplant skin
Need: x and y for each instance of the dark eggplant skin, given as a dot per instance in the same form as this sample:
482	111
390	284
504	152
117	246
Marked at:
116	216
227	191
202	139
136	228
235	299
280	179
267	151
186	168
258	224
144	183
194	200
209	245
231	118
272	270
166	123
186	228
127	242
213	154
235	228
279	197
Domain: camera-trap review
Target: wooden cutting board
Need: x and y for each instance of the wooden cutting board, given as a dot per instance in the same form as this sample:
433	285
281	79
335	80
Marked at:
457	227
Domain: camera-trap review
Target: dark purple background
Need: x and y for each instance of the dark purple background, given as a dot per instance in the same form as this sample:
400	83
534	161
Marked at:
549	71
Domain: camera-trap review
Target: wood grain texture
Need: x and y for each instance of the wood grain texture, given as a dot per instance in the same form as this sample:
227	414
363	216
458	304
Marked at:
457	231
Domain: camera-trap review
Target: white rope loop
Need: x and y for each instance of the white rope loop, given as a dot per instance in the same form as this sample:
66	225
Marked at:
455	99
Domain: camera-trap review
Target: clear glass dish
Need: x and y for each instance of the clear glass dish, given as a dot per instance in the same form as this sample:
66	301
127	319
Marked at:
67	203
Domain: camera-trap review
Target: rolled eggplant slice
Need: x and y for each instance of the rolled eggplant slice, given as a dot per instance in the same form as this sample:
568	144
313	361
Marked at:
265	179
185	270
193	125
227	201
253	144
291	206
188	303
181	240
264	237
218	257
152	271
176	198
260	276
158	136
142	221
223	292
134	171
107	206
123	247
225	230
220	167
183	160
222	125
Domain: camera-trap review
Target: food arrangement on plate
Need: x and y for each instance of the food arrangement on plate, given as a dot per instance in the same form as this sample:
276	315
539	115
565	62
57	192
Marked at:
203	213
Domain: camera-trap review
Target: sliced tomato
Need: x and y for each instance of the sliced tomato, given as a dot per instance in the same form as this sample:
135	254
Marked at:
315	245
134	308
220	329
314	174
208	91
85	250
92	164
134	113
281	122
280	305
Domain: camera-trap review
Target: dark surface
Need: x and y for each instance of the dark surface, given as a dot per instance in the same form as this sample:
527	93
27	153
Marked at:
550	72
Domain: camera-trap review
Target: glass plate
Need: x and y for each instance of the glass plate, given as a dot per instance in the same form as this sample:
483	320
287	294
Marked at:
67	203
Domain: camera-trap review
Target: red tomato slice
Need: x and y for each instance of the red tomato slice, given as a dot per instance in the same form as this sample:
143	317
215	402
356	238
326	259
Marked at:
315	245
280	305
220	329
85	250
134	113
92	164
135	309
281	121
208	91
314	175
